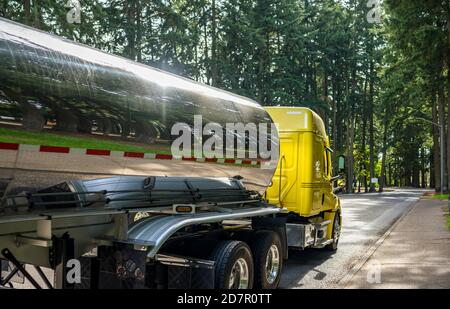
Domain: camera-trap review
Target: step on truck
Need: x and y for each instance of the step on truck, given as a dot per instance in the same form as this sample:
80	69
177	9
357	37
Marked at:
94	189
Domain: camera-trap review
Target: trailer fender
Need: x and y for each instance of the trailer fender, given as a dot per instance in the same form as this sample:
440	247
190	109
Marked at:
153	232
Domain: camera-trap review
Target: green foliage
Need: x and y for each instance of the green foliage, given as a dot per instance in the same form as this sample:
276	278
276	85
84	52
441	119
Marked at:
413	82
369	82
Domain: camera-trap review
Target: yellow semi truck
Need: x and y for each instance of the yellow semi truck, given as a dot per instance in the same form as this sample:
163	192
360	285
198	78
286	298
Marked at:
88	175
230	248
303	181
201	245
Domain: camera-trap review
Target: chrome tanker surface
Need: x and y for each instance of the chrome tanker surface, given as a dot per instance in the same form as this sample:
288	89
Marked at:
69	112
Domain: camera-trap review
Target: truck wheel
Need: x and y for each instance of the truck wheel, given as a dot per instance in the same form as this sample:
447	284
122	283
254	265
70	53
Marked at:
268	254
335	234
233	265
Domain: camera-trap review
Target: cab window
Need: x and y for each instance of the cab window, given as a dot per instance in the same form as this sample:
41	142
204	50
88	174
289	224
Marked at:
325	164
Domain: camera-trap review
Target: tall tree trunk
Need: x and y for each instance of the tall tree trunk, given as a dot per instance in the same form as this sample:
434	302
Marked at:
371	130
214	72
436	148
138	30
432	175
447	60
339	123
335	125
442	123
324	97
36	16
196	62
389	175
351	132
27	12
130	29
384	151
326	100
416	174
363	136
149	33
423	168
350	159
307	83
206	48
431	162
4	9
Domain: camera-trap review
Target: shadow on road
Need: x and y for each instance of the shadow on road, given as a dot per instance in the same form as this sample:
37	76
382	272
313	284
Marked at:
366	217
308	261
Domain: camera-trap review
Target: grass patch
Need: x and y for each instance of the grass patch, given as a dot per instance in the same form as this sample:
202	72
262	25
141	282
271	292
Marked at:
55	139
440	196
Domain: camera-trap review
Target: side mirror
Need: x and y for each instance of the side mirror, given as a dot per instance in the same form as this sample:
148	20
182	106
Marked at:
341	164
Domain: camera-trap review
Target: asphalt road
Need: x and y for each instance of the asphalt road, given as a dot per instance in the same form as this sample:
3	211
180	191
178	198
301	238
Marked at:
366	217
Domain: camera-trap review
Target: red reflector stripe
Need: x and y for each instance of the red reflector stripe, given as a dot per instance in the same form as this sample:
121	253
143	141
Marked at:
134	154
189	159
9	146
163	157
54	149
96	152
128	154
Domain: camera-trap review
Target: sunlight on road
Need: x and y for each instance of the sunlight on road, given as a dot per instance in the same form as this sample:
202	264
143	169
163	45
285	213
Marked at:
365	218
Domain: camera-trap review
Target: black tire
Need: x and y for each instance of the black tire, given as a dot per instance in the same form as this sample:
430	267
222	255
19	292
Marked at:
334	245
267	276
226	256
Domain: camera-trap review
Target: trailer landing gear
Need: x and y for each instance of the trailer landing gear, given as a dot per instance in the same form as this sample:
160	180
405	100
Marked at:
20	268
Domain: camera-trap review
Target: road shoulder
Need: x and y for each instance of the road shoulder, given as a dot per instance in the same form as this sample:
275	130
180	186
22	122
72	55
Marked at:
414	254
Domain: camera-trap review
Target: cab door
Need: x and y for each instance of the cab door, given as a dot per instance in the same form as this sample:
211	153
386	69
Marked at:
329	199
284	182
322	175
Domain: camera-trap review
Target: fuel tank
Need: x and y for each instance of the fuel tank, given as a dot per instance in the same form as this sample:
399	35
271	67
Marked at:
69	112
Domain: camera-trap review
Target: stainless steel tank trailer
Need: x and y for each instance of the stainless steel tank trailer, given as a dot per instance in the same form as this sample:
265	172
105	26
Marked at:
87	173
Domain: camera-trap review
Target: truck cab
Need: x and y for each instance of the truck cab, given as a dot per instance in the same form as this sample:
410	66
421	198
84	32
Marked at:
302	183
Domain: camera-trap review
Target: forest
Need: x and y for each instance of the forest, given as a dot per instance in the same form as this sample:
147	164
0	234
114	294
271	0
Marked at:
376	71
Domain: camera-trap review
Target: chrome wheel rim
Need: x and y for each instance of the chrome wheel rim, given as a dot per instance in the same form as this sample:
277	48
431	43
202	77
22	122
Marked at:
239	276
272	264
